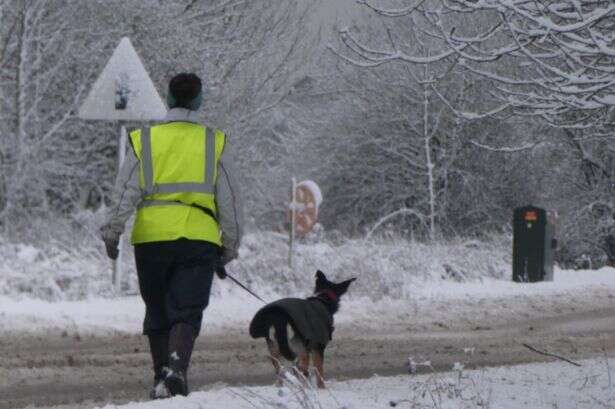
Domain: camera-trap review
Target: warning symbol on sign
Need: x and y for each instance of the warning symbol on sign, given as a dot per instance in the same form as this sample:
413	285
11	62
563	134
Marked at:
123	91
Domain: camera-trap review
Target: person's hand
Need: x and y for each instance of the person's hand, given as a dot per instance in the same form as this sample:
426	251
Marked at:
112	247
111	237
221	271
224	257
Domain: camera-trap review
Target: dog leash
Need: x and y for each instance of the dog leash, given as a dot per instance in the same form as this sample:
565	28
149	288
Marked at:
236	281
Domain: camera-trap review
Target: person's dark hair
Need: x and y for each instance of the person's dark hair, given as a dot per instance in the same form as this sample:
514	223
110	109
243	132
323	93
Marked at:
185	91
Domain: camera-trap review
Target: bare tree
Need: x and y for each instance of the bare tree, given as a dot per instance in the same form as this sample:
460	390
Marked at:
35	63
387	145
550	61
249	57
553	60
431	99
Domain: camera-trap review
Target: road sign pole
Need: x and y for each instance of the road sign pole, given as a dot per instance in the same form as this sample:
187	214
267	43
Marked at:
121	143
117	263
291	239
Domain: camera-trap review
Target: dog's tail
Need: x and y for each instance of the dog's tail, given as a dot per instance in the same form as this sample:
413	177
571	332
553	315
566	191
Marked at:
273	319
281	338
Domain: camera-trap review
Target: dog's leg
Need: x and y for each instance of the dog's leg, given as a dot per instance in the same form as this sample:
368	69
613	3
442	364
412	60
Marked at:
303	365
319	357
274	357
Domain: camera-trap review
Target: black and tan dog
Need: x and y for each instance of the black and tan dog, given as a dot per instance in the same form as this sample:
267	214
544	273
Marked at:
309	322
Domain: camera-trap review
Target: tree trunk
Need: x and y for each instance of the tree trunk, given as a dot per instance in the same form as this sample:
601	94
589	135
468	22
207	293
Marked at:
429	163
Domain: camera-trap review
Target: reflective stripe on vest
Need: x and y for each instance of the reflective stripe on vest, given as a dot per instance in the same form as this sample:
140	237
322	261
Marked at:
208	185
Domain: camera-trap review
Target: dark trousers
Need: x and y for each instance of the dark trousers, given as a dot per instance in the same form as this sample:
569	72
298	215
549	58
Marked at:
175	281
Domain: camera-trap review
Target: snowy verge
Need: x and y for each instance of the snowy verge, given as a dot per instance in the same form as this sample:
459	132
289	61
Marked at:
72	265
443	304
533	386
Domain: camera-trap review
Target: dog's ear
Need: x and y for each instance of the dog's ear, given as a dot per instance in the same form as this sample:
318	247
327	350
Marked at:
321	280
342	287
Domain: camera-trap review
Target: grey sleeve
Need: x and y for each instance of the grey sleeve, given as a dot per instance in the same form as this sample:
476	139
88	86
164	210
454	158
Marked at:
124	199
229	205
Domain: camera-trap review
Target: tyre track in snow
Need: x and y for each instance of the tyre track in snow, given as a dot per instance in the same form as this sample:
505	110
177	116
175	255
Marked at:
61	368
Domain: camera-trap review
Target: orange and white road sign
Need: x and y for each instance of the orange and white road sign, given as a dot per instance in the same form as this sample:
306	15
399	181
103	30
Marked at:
308	198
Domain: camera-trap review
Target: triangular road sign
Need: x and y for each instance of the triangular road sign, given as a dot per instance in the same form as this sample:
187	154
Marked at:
124	90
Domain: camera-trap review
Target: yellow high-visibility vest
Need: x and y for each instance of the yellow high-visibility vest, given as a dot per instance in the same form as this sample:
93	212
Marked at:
178	173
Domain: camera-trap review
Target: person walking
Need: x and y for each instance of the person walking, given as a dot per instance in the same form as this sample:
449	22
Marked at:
179	177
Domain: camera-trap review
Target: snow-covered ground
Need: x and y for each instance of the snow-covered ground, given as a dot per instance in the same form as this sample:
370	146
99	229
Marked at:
427	303
402	288
65	284
536	386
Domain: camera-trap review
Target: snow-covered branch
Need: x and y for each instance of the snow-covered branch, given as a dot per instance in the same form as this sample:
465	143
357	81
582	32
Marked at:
392	12
559	57
516	149
399	212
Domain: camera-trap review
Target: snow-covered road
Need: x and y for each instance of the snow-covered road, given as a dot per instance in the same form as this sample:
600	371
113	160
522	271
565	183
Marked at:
90	351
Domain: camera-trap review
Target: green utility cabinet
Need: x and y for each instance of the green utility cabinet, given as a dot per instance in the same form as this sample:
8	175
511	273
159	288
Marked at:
534	244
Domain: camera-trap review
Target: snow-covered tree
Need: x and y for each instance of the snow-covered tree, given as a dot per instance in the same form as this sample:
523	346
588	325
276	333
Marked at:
585	197
37	105
550	59
547	62
53	162
416	134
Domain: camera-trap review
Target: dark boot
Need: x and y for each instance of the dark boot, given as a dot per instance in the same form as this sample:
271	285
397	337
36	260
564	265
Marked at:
160	389
181	343
159	348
